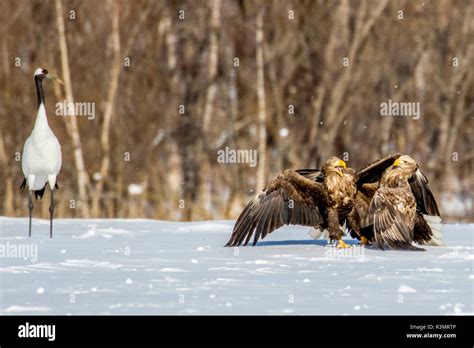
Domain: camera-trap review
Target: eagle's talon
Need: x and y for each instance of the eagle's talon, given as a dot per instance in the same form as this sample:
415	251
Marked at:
341	244
364	241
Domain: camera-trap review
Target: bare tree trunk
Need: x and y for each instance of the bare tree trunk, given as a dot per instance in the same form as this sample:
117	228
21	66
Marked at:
262	115
213	63
109	107
211	92
83	180
452	111
343	83
5	171
340	88
234	110
5	176
112	94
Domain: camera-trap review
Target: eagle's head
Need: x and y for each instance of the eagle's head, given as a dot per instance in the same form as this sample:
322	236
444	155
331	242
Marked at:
401	170
334	165
404	167
405	162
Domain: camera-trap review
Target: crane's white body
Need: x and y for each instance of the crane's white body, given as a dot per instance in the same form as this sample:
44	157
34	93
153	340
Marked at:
41	160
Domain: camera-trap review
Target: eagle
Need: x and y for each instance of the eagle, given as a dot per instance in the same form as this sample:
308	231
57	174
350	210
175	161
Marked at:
396	205
309	197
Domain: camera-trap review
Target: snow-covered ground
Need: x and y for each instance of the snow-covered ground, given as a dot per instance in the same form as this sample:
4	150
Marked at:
158	267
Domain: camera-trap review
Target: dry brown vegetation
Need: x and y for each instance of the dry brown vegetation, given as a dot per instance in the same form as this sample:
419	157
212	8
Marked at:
245	72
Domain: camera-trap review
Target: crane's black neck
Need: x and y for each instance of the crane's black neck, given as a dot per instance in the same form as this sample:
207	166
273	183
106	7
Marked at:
39	90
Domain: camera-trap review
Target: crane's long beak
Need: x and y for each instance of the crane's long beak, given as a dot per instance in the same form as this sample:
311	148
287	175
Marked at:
54	78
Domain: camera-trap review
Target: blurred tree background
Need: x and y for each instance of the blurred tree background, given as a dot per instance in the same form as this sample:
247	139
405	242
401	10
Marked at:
173	82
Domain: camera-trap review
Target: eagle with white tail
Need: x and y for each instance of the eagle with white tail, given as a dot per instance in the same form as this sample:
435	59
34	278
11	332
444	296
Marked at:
396	205
387	203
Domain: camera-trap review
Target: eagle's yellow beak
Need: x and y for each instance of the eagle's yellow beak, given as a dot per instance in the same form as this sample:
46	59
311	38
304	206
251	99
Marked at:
340	164
397	162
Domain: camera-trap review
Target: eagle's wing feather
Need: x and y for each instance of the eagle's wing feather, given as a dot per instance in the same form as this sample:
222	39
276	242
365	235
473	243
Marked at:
425	201
368	182
290	199
374	171
391	211
422	230
312	174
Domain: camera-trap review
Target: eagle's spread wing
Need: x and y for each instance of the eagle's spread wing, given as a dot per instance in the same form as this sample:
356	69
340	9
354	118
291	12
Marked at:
369	177
428	227
368	182
290	199
422	231
374	171
393	214
425	201
312	174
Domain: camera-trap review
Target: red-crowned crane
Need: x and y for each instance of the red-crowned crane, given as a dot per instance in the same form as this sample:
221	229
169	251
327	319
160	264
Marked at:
41	159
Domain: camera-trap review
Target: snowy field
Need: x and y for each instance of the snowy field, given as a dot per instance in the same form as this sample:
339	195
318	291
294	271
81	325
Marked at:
157	267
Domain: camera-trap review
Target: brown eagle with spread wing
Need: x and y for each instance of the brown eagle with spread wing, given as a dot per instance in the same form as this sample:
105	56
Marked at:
396	205
317	198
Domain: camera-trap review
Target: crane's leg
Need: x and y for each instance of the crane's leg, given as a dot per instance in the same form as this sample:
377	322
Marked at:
30	208
51	212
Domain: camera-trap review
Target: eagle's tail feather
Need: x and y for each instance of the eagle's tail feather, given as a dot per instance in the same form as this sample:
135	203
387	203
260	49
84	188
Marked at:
436	227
